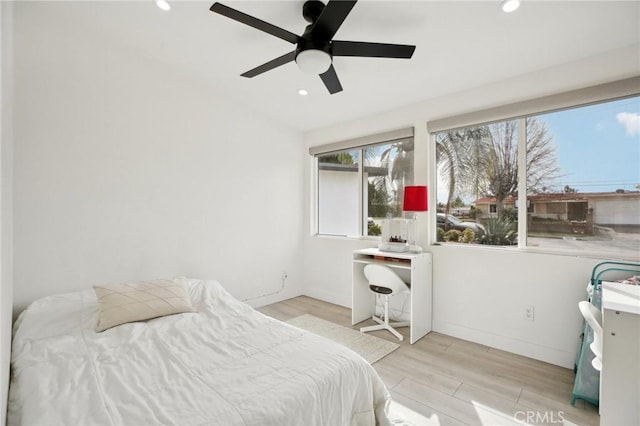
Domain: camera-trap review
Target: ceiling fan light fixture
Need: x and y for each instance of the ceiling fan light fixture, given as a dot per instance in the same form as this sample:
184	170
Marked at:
163	4
509	6
313	61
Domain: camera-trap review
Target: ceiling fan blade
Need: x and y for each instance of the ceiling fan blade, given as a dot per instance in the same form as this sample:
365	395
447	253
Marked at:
288	57
331	18
254	22
371	50
330	79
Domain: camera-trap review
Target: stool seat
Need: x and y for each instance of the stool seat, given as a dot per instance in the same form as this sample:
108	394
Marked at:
384	281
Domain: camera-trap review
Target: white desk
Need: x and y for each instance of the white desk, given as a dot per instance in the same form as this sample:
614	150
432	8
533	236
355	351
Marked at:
414	269
620	375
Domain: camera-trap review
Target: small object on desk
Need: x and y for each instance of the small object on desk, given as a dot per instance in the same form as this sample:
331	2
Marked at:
394	247
390	259
397	239
414	248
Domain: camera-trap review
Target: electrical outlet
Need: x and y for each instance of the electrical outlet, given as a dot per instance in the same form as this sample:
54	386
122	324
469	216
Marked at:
285	276
529	313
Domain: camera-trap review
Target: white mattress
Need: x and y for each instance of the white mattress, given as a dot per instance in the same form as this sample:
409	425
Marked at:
225	365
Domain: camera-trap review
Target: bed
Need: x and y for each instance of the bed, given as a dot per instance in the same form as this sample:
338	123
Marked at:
226	364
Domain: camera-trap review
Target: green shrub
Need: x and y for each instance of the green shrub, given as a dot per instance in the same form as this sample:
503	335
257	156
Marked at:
374	229
498	232
468	236
473	212
453	235
439	234
509	214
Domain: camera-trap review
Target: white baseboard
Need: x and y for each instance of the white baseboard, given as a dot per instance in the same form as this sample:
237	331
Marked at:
520	347
326	296
286	293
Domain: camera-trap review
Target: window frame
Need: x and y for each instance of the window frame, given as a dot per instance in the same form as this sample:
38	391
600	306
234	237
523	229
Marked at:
386	138
519	112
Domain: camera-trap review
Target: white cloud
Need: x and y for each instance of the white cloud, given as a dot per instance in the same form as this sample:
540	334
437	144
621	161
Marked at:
630	121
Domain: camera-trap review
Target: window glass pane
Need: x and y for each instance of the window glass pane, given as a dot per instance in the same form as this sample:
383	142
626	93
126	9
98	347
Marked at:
387	170
338	193
477	184
583	179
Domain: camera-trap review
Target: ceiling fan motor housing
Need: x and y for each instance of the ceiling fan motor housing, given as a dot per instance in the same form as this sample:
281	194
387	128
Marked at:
311	10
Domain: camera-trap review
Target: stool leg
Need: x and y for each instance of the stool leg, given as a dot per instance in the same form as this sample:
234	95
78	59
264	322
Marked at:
385	324
395	333
386	309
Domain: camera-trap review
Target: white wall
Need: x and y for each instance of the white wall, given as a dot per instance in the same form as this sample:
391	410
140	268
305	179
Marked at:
125	169
479	292
6	170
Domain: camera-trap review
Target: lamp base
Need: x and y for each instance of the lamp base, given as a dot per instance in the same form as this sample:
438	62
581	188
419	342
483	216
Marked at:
394	247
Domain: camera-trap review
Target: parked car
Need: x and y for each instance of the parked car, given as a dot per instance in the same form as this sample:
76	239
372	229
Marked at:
451	222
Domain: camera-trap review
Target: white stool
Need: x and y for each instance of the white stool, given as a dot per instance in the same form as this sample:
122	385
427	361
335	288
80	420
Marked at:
382	280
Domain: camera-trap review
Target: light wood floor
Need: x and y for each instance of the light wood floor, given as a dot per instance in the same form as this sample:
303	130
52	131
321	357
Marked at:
443	380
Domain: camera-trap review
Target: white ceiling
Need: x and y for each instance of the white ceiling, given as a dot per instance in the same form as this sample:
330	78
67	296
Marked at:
460	45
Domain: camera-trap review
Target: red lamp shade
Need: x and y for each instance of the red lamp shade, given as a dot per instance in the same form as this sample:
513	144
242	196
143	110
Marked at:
415	199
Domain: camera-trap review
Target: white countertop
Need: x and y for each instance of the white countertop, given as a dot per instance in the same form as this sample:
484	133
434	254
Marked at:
621	297
375	252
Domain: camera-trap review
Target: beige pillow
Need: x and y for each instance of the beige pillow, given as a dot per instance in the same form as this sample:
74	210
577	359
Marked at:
138	301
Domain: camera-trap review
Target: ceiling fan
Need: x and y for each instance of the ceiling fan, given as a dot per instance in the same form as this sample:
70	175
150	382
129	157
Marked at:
315	48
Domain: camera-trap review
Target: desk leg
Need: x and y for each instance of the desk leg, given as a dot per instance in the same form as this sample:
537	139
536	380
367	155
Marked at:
363	301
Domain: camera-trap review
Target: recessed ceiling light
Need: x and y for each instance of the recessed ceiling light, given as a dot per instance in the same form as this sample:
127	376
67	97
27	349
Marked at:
163	4
302	92
510	5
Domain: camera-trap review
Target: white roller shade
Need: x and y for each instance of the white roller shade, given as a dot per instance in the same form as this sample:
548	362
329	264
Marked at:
386	137
581	97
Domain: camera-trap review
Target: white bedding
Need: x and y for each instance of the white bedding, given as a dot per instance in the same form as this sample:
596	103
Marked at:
225	365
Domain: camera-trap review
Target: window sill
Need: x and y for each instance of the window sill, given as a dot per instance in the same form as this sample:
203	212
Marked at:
347	237
540	250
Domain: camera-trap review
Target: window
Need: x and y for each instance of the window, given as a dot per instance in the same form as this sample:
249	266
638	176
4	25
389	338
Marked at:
592	201
358	188
581	175
338	189
477	178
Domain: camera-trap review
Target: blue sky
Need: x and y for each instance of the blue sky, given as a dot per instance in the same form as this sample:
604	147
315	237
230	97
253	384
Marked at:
598	147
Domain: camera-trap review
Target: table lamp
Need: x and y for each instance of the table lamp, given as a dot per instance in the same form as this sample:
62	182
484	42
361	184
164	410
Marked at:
415	200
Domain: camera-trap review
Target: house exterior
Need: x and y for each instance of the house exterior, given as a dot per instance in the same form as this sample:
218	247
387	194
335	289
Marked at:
603	209
487	206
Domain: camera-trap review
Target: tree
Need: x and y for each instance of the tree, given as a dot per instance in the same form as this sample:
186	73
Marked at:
458	158
484	161
378	200
397	158
501	163
339	158
542	164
